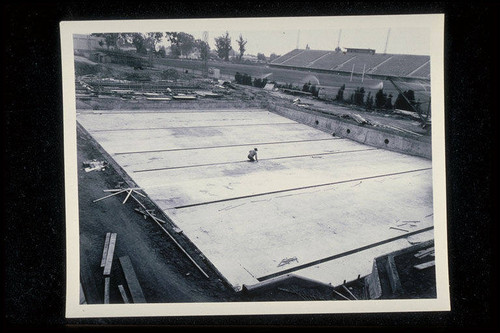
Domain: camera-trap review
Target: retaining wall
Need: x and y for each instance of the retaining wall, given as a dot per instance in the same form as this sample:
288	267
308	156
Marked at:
364	134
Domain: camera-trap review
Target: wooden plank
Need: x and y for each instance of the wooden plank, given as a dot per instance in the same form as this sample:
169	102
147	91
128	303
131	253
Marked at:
423	253
106	290
105	249
350	293
107	196
128	195
132	281
425	265
123	293
109	257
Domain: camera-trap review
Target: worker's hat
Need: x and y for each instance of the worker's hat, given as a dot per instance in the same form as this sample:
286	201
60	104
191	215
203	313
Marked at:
255	149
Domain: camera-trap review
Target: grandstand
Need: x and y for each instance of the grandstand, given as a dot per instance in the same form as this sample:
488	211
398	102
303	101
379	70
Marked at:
383	65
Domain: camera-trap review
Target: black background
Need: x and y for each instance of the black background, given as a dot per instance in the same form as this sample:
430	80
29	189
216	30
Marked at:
33	172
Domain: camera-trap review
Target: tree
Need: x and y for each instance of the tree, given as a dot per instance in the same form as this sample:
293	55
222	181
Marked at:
273	56
152	40
241	46
204	49
261	57
223	45
359	95
340	94
369	101
380	99
314	90
181	43
401	102
109	38
388	102
172	37
187	43
139	41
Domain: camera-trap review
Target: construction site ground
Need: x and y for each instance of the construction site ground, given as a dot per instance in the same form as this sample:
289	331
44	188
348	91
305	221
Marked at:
167	273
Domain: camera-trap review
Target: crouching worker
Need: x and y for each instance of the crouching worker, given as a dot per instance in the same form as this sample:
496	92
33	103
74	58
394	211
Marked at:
252	155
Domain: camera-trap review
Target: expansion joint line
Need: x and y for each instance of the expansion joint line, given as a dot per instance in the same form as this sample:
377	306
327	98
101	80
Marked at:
300	188
262	159
340	255
189	127
225	146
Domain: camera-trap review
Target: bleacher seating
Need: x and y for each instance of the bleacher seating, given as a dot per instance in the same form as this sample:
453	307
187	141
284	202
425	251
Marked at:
304	58
422	72
381	64
400	65
367	61
331	60
287	56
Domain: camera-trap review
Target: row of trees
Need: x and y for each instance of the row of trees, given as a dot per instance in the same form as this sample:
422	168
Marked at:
247	80
181	44
381	100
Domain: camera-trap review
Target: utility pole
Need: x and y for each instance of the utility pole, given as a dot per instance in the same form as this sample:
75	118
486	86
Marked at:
338	41
387	40
205	60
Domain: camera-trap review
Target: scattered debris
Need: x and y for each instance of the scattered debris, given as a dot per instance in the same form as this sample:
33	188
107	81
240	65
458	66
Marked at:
94	165
286	261
350	293
149	212
120	190
341	295
398	229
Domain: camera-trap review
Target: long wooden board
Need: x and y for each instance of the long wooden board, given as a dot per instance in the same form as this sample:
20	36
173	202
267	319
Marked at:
132	281
105	249
123	293
109	257
106	290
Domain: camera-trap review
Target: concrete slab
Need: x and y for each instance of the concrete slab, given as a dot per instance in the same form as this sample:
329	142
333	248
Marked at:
315	205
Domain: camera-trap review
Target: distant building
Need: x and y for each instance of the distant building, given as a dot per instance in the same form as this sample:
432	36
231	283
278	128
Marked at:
86	44
363	51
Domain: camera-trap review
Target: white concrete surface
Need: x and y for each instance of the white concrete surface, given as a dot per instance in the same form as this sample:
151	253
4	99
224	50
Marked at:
311	196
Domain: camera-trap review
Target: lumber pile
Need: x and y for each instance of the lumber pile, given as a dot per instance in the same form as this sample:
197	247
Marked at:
130	291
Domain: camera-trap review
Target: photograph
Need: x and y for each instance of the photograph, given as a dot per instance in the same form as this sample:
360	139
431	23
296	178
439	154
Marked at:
254	166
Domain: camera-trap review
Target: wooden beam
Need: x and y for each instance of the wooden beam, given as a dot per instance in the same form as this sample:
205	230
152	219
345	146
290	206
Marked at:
105	249
107	196
128	195
425	265
106	290
350	293
341	295
123	293
122	189
133	283
109	257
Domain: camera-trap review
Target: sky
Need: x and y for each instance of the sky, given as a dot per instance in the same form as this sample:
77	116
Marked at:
399	40
409	34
